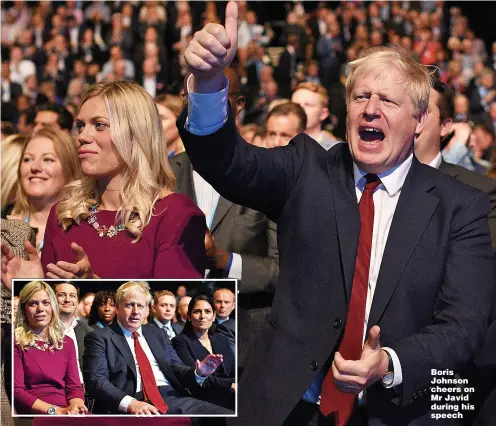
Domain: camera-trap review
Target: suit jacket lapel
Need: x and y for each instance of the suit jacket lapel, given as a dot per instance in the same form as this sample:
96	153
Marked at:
445	168
340	169
413	213
159	354
121	344
223	207
184	177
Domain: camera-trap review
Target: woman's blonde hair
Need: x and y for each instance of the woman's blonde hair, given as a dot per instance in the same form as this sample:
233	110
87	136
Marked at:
23	333
133	287
12	151
381	60
66	152
137	134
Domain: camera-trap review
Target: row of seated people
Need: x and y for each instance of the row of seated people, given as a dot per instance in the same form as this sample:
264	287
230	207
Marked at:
125	366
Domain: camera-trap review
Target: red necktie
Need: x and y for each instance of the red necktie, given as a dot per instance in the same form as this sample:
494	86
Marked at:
148	383
332	399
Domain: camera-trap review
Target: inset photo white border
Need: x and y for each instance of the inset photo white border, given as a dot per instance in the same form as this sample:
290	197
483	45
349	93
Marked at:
92	285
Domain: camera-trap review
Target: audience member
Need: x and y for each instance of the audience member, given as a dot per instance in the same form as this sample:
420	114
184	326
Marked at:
164	310
103	310
40	341
67	295
197	341
48	163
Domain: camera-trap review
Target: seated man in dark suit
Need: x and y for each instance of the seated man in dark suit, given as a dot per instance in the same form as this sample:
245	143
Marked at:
68	299
164	309
428	147
130	367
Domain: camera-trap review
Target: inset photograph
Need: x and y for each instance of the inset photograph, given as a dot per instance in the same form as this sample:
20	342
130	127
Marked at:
124	347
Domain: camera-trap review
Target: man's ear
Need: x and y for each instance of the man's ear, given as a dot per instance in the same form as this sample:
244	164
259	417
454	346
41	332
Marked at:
446	127
324	114
240	104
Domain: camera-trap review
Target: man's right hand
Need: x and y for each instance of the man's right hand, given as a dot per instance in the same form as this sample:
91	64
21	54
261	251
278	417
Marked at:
141	408
212	50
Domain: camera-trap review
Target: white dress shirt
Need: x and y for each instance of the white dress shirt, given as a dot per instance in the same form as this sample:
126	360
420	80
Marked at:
208	199
69	332
436	161
208	112
150	85
157	372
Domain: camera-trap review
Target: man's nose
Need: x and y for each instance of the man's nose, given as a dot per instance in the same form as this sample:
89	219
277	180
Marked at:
372	108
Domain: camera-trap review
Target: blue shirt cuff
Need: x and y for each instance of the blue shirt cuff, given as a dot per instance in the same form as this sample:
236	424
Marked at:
207	112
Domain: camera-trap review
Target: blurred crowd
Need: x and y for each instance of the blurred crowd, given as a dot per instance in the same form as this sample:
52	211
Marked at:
53	50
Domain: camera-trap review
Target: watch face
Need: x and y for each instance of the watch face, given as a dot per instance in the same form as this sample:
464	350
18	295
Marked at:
388	379
51	411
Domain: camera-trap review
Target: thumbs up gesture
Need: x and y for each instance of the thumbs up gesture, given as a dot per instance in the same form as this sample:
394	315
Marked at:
355	376
67	270
211	50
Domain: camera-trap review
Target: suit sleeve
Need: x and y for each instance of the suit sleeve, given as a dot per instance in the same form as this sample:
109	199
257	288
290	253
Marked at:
181	347
247	175
461	314
261	273
492	214
96	373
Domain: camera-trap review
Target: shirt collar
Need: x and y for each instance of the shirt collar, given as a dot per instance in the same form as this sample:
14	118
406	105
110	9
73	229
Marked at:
73	325
160	325
392	180
436	161
128	333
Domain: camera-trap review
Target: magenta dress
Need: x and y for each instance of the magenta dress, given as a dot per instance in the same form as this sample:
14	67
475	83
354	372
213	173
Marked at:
172	244
52	377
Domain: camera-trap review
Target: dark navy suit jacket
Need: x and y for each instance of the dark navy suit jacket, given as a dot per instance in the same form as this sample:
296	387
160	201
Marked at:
189	349
110	371
434	289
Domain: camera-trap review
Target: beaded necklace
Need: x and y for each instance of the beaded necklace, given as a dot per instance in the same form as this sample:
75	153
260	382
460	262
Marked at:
102	230
46	346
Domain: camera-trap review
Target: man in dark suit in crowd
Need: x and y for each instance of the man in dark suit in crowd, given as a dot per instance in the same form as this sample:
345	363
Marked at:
241	242
164	309
68	298
130	367
376	249
10	90
428	147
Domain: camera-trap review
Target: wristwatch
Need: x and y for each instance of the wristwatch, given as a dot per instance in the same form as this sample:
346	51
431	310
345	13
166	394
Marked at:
388	378
51	411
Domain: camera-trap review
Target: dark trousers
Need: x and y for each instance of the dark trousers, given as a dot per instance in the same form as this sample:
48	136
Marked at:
179	404
308	414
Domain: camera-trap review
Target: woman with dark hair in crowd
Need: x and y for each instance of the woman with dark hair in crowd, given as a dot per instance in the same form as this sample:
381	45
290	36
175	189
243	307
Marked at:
103	310
122	218
46	377
197	341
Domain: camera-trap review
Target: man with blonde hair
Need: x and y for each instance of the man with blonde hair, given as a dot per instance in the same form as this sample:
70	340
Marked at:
376	249
313	98
131	367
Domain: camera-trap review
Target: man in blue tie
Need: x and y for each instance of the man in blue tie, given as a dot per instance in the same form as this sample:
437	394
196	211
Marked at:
164	309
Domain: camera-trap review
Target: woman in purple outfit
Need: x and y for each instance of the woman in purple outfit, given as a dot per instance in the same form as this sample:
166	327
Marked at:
121	219
46	377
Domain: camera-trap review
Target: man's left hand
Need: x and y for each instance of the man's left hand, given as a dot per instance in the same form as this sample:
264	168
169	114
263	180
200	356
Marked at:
355	376
209	364
217	258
